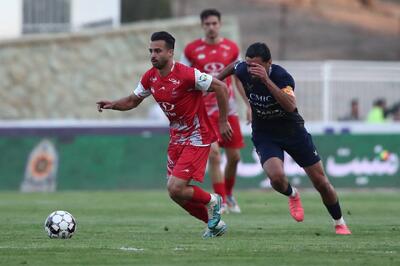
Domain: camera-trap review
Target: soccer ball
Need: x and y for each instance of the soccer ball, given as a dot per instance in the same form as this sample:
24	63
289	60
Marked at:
60	224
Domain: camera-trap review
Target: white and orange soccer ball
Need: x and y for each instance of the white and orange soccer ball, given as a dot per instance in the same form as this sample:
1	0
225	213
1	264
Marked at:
60	224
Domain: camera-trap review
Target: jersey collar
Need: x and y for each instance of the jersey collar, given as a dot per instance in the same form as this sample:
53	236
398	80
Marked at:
204	41
171	70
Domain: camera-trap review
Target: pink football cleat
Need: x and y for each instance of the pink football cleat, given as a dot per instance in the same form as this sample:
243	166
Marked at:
342	229
295	207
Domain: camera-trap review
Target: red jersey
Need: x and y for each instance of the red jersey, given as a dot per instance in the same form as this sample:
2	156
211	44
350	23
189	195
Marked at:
211	59
179	94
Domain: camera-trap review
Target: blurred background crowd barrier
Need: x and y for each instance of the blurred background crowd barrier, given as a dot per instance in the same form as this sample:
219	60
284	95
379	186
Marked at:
48	77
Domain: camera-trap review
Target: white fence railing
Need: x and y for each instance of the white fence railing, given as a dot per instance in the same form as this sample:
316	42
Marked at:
324	90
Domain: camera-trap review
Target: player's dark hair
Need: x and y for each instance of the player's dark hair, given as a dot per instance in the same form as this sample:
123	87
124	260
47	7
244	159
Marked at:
164	36
259	49
209	12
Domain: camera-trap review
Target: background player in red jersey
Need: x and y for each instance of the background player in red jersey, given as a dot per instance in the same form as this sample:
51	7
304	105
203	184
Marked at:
211	54
178	90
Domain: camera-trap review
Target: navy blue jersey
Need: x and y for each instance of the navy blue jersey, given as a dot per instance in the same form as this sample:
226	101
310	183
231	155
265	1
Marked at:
268	115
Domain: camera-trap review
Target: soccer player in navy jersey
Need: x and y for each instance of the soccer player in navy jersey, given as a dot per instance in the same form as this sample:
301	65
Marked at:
277	126
178	89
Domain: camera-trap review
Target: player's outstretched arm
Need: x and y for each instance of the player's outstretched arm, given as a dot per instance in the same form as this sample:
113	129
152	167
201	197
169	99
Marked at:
221	93
227	71
240	89
123	104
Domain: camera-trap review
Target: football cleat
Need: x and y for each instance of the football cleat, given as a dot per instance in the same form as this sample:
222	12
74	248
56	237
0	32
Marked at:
219	230
342	229
295	207
232	205
214	211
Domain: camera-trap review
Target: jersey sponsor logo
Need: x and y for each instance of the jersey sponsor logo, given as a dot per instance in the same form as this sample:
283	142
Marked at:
261	98
214	68
174	81
268	114
200	48
226	47
167	107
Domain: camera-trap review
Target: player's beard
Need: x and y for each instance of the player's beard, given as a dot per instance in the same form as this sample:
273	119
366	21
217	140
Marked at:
159	64
212	35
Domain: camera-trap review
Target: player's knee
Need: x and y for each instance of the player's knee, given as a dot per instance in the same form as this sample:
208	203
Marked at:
278	184
214	157
277	178
276	175
324	187
175	192
234	159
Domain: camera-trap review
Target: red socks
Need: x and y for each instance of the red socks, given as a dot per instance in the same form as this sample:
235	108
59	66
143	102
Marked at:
197	210
200	196
197	205
219	188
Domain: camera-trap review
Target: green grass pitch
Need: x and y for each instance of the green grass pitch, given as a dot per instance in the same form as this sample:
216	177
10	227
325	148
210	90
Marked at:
147	228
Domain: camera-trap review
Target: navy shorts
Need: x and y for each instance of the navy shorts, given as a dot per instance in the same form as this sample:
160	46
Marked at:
298	144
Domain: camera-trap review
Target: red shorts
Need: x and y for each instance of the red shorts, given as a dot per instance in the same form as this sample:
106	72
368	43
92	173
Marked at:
187	162
236	141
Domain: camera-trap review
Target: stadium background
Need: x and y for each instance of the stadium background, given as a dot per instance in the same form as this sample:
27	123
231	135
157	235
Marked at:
58	57
56	67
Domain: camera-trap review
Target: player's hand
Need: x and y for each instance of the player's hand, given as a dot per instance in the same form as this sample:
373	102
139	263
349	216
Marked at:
258	71
226	130
249	116
104	105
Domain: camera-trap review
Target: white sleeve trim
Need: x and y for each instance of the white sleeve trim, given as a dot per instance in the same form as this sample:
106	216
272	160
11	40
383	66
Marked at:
202	80
141	92
237	64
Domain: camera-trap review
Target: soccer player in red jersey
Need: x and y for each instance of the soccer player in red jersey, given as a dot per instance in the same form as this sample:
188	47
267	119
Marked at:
211	54
178	91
